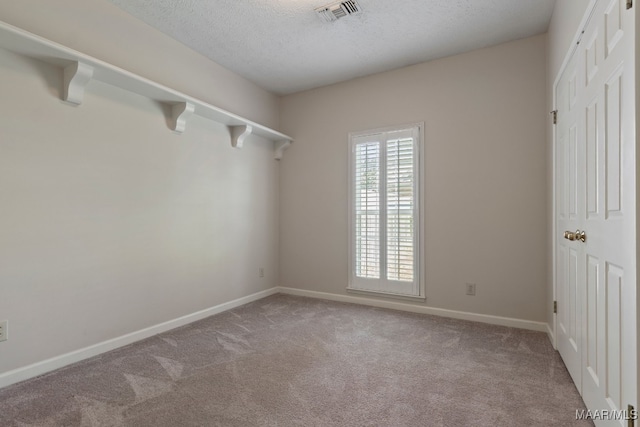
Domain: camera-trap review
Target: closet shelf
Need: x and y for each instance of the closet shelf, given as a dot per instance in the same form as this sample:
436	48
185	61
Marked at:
80	69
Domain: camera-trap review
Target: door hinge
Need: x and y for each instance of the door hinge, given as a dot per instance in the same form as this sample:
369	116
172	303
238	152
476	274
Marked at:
632	416
629	4
555	307
554	116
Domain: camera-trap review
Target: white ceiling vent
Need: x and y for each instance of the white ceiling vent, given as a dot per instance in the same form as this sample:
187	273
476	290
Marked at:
337	10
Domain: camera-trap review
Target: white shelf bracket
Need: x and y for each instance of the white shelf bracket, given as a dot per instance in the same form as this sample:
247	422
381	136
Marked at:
76	77
180	113
280	147
239	134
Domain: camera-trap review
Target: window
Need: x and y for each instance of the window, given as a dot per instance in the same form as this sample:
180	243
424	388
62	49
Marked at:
384	211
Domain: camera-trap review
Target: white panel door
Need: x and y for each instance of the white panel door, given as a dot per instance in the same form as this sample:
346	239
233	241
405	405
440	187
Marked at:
609	345
596	193
569	203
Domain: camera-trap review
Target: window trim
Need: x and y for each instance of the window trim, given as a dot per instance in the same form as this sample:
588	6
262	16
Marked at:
419	203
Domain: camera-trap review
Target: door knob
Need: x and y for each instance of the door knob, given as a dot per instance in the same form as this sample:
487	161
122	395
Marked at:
578	235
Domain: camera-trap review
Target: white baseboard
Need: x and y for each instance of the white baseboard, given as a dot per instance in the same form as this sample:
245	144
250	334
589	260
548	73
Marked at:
39	368
414	308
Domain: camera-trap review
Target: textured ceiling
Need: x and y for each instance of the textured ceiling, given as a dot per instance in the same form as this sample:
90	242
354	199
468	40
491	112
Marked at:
284	47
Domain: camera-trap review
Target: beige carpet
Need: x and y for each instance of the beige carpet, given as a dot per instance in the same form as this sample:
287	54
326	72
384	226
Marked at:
291	361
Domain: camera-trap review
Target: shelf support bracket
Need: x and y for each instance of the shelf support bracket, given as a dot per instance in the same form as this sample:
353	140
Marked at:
239	134
280	147
76	77
180	113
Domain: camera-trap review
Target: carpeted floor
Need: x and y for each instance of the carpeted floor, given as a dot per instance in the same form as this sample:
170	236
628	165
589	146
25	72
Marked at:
292	361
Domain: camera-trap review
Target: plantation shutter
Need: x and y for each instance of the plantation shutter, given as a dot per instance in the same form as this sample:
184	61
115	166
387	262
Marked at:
384	190
367	209
400	206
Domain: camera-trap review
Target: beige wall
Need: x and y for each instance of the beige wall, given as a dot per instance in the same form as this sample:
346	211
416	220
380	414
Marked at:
110	222
486	200
564	25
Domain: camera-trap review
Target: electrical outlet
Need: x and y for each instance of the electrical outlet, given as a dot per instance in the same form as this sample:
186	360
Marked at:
261	272
471	289
4	330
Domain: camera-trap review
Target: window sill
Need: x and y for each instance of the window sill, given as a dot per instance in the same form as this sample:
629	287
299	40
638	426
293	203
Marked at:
387	294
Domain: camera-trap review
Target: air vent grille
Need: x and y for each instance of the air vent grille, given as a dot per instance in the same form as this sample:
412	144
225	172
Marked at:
351	6
335	11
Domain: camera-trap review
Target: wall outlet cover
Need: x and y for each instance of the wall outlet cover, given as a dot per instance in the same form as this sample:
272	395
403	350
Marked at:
470	289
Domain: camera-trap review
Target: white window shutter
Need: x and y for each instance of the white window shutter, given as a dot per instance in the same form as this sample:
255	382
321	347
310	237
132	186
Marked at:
384	227
367	209
400	209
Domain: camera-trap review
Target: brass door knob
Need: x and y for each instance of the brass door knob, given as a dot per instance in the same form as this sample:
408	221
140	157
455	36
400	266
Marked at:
578	235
